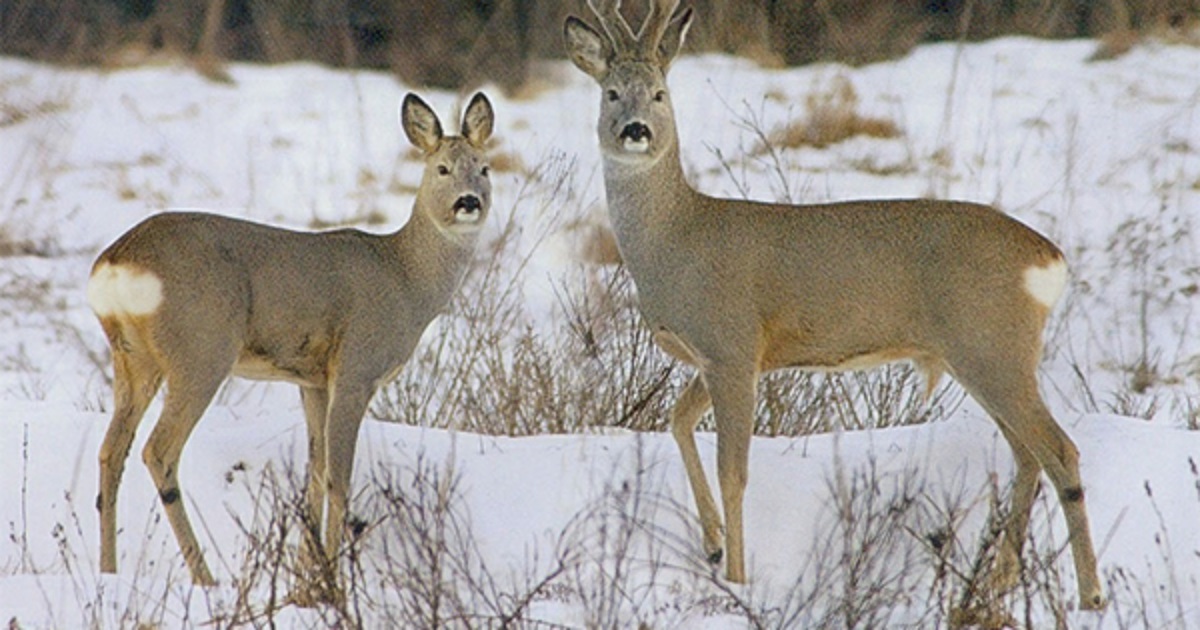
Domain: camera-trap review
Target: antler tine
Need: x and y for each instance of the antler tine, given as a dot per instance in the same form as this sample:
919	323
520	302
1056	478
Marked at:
619	33
656	24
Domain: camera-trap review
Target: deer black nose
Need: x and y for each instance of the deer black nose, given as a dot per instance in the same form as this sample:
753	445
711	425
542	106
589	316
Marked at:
468	203
636	131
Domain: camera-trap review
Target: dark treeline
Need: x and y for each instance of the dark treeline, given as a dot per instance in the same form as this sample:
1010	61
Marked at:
452	43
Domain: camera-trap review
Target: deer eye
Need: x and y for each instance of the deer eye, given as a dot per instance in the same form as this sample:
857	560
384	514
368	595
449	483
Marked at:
612	95
443	170
660	96
487	170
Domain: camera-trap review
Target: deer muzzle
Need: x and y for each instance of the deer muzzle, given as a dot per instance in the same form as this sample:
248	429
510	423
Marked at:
468	209
635	137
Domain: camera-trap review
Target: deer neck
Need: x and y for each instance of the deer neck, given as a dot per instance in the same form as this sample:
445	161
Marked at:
434	260
645	202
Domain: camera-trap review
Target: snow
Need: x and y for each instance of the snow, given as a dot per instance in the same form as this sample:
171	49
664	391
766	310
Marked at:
1102	156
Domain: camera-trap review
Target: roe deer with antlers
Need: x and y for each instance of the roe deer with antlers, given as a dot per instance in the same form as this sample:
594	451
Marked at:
736	288
192	298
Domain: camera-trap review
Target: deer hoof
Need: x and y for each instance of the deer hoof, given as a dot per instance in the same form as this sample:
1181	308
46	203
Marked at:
1095	602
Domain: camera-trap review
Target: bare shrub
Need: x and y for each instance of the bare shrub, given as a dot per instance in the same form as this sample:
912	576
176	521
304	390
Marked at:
416	562
26	189
412	562
426	553
893	550
624	551
269	572
598	368
871	566
798	403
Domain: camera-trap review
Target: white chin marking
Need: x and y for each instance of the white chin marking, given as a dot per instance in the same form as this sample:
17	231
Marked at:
1046	284
467	218
636	146
123	290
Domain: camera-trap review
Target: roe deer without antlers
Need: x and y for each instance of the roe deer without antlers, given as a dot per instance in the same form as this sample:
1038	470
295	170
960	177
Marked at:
736	288
191	298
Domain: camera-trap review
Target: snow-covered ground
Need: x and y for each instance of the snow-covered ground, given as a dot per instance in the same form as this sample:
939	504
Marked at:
1102	156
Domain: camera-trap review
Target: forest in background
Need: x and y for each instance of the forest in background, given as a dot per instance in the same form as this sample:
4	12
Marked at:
462	43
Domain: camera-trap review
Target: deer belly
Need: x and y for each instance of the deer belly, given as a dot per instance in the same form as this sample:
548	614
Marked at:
865	361
673	345
261	367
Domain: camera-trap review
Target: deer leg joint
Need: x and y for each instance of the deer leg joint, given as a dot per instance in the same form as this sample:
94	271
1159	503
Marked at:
1073	494
169	496
357	526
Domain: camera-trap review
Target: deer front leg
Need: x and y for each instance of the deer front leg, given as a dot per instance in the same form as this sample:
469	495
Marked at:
688	410
346	408
316	408
732	389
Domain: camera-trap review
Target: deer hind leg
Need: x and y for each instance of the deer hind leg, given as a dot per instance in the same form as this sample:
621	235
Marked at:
136	378
1026	484
1011	396
188	395
686	414
733	397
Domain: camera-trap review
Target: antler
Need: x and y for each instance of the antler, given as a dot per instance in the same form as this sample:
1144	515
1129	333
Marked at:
620	35
656	25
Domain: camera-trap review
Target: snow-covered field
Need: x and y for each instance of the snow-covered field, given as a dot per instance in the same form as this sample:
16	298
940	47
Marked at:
596	527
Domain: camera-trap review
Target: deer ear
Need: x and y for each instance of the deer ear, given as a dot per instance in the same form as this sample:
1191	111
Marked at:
587	49
478	121
420	123
672	40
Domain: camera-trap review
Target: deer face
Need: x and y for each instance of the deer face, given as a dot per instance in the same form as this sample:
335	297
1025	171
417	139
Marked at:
456	187
456	191
636	119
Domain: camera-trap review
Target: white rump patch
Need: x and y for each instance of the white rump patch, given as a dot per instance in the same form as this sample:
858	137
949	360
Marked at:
123	290
1046	284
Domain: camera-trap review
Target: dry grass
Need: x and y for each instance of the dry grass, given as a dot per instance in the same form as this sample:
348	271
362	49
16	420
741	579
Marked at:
16	241
507	162
1115	44
17	113
1178	28
500	161
15	109
595	243
831	116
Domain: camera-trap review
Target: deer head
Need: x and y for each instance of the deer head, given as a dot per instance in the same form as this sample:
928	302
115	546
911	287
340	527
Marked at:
455	190
637	122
